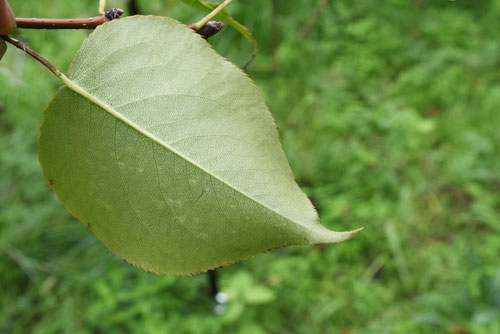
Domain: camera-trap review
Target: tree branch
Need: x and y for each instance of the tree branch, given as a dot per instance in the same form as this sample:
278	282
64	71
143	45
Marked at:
208	30
78	23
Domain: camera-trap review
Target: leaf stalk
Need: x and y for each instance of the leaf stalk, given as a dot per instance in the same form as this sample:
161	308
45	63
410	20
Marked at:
20	45
102	6
212	14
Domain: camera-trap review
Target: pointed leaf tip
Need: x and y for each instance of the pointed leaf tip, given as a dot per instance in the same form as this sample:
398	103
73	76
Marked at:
356	231
322	235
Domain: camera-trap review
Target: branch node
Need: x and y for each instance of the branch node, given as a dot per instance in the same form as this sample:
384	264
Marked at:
209	29
212	14
113	13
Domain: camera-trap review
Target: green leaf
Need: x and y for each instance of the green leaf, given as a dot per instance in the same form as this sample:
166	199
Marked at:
168	153
224	16
3	48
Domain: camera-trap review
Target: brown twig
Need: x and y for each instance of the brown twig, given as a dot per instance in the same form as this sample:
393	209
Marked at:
78	23
28	50
208	30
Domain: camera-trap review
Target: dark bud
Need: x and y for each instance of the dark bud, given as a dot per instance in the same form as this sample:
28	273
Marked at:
210	29
113	13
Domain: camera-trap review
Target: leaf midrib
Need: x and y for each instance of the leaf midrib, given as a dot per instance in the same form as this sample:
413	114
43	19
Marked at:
106	107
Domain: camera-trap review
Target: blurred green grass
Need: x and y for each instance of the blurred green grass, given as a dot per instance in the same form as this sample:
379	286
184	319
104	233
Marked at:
389	114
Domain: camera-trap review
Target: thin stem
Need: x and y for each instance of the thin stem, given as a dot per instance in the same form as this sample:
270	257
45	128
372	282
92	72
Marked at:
68	82
212	279
210	16
77	23
80	23
102	6
249	61
32	53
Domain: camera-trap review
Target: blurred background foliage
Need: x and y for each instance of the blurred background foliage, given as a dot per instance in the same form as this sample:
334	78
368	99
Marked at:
389	114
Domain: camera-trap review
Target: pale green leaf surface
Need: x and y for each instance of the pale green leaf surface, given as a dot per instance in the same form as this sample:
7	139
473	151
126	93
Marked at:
224	16
174	161
3	48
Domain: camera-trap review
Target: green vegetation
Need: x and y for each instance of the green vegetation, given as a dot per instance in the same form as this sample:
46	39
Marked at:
388	113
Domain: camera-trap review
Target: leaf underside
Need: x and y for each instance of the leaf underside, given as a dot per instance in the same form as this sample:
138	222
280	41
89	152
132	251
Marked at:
174	162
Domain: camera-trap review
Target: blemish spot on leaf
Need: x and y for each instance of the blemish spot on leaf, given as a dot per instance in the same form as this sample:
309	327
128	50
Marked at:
202	193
